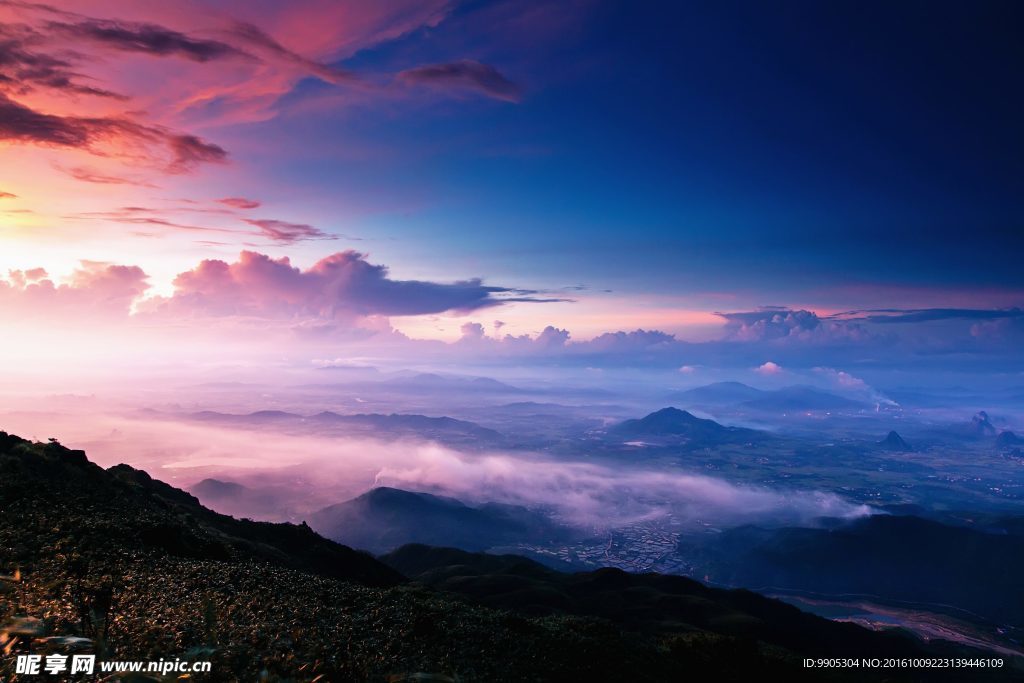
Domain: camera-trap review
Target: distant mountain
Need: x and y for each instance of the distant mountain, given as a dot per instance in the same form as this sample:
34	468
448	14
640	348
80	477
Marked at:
718	393
1008	439
383	519
981	425
368	424
802	398
895	443
429	381
215	489
672	424
256	418
231	498
898	558
412	424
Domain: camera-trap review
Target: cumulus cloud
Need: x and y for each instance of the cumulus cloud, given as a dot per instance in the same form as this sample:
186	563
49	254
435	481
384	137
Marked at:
558	341
769	369
342	285
552	338
629	342
93	289
466	74
472	331
785	324
342	297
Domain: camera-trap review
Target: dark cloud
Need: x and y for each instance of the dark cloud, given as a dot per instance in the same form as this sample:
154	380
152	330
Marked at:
239	202
173	152
145	38
919	315
466	74
7	195
190	151
285	232
23	67
19	123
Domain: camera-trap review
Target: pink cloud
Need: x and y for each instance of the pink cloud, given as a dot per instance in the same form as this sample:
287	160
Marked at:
284	232
769	369
94	289
341	286
89	175
239	202
116	136
83	77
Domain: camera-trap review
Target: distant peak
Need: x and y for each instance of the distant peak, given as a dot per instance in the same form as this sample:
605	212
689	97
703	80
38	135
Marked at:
673	411
1008	438
894	442
981	424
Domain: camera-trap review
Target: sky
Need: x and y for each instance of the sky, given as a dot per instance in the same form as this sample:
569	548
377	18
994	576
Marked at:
516	178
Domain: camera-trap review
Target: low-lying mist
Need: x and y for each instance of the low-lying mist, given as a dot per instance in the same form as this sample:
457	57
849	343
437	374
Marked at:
288	476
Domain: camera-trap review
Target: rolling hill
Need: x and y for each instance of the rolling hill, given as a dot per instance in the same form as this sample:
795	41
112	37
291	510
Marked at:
671	425
383	519
717	393
893	557
802	398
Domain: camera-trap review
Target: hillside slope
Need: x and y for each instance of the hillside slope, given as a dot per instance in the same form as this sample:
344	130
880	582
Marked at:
142	571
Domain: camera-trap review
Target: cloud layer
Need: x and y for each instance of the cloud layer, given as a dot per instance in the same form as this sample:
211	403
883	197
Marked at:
581	493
